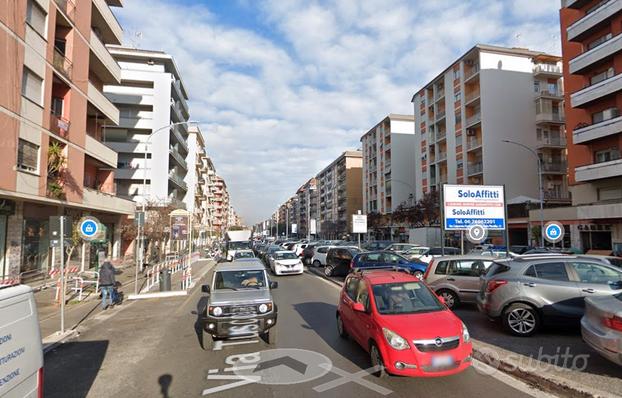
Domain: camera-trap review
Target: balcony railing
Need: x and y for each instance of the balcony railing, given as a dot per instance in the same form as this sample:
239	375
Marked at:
473	142
62	63
475	168
556	195
442	156
68	7
474	119
471	96
177	180
547	68
554	167
59	125
552	141
471	72
175	153
440	135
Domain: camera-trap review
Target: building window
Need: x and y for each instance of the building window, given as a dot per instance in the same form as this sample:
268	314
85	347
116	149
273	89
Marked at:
32	86
536	86
458	140
57	106
35	17
457	96
27	156
605	114
599	41
458	117
459	164
456	74
606	155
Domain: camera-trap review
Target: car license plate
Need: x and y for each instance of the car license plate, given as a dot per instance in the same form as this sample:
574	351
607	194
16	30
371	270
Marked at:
440	361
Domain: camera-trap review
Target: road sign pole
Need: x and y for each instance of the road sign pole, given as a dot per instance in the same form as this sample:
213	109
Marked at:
62	274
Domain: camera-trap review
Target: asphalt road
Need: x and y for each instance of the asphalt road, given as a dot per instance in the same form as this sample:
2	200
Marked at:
151	348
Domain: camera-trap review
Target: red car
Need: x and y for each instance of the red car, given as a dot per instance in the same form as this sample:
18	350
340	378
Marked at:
404	326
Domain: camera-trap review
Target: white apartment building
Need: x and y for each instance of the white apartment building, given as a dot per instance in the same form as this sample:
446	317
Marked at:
489	95
151	97
389	164
198	179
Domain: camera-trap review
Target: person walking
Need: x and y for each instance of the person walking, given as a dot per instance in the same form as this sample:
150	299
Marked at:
107	283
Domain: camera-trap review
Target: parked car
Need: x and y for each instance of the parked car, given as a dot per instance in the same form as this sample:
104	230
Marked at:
404	326
285	262
338	260
269	251
527	291
456	279
243	254
307	253
386	259
601	326
520	249
611	260
377	244
400	247
426	254
319	256
298	248
239	290
21	371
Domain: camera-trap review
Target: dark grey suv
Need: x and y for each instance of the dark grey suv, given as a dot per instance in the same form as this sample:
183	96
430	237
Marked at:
527	291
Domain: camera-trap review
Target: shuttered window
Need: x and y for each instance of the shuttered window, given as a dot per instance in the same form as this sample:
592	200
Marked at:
35	17
32	86
27	156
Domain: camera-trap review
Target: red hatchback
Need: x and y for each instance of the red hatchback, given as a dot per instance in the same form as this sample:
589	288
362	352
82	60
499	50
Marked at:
404	326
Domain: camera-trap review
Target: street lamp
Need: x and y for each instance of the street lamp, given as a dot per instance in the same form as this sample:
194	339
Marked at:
534	153
311	188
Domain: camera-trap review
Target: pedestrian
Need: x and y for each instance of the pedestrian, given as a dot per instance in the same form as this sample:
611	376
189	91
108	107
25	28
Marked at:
107	282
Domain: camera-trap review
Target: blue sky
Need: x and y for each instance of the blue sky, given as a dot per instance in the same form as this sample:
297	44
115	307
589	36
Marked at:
284	86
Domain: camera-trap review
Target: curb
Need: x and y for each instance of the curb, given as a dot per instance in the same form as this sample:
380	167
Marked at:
545	382
54	340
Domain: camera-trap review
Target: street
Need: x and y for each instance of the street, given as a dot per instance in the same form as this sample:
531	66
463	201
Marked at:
152	348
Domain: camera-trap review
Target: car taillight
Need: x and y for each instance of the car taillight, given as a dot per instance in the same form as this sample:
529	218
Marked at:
614	323
427	270
494	284
40	383
351	263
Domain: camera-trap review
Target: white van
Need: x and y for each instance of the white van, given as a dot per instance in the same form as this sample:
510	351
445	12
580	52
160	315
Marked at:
21	352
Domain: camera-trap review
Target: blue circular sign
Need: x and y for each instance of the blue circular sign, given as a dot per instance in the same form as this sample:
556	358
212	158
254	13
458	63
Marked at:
89	228
553	232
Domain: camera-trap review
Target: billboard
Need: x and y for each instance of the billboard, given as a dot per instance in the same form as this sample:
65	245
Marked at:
467	205
294	228
359	223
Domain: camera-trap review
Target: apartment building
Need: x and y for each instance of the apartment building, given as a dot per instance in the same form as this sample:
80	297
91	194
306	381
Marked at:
220	200
340	195
198	179
389	164
234	218
306	209
151	97
54	65
592	59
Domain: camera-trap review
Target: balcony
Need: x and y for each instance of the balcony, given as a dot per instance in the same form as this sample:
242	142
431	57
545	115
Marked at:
598	171
470	72
100	151
97	200
179	181
442	156
59	125
551	142
179	137
473	120
554	168
549	117
471	96
440	115
128	173
68	7
550	95
598	53
177	156
106	22
597	130
596	91
574	3
551	71
62	64
584	26
475	168
104	66
556	195
473	142
441	135
176	112
103	104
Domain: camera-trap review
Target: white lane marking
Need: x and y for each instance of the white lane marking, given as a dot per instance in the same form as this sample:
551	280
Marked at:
497	374
219	344
212	371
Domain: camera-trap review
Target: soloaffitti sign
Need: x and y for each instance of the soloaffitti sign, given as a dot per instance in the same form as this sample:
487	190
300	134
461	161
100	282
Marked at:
468	205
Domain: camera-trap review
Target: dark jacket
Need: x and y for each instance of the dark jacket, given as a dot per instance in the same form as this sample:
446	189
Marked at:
106	275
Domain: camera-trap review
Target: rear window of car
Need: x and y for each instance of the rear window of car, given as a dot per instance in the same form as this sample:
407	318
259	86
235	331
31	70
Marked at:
552	271
496	269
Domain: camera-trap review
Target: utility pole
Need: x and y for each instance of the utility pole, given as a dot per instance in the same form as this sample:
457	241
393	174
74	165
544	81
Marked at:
287	222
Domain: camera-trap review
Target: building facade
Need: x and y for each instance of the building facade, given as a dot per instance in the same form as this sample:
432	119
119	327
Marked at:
388	164
592	57
54	116
151	97
220	201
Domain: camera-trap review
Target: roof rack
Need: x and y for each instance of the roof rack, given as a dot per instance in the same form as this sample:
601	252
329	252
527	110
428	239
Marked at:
542	256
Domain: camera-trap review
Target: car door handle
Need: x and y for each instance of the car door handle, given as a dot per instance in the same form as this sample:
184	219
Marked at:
589	290
530	284
451	279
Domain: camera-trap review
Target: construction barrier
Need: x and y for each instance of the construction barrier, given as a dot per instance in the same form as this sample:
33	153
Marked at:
56	271
174	266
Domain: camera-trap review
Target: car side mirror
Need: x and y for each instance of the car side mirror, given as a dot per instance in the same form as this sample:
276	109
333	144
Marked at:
274	285
358	307
205	289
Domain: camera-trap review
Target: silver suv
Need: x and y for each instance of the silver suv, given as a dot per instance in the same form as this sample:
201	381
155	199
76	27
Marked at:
527	291
456	278
240	303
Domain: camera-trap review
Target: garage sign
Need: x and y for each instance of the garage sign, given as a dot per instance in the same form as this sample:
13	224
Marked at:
467	205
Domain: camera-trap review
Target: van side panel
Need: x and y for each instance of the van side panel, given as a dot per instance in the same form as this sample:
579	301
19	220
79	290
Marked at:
21	353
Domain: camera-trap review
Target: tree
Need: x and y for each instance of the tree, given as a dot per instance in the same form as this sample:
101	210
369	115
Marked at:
428	209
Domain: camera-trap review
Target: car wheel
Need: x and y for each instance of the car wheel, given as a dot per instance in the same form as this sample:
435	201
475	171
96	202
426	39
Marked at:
270	336
451	298
418	274
328	270
342	331
376	360
207	342
317	263
521	320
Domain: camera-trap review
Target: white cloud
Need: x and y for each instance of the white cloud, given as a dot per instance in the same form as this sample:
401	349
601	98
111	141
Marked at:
281	102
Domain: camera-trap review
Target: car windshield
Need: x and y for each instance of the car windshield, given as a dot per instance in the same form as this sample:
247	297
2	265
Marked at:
616	261
244	255
404	298
285	256
239	245
242	279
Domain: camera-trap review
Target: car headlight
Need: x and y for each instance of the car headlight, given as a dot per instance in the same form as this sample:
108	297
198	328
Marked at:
263	308
395	340
465	333
216	311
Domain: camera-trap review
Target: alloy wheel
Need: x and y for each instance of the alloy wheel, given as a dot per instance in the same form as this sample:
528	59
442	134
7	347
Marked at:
521	320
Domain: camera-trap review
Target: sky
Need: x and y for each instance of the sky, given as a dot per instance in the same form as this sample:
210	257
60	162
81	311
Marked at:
283	87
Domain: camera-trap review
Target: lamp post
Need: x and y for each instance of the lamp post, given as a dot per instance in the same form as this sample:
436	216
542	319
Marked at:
311	188
534	153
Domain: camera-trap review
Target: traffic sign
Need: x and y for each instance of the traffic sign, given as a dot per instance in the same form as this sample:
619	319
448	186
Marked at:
477	234
88	227
553	231
359	223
